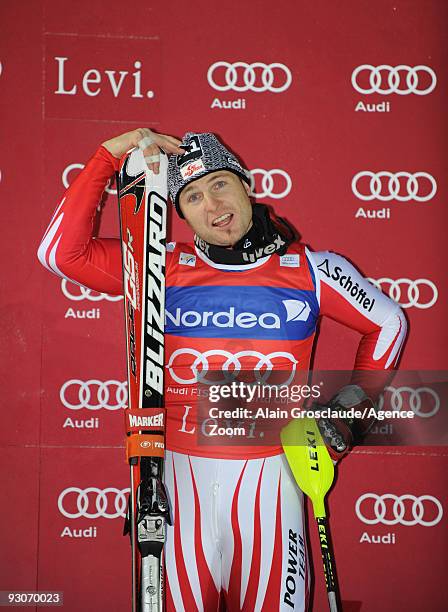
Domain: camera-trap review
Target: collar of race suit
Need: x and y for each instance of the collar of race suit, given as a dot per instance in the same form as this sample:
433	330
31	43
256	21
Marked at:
266	236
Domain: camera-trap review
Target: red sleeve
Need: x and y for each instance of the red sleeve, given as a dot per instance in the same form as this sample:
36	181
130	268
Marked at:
68	247
349	298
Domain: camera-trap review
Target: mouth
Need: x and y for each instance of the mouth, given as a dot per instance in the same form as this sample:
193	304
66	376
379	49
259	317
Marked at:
223	220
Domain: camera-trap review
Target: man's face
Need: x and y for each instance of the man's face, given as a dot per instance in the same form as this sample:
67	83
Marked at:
217	207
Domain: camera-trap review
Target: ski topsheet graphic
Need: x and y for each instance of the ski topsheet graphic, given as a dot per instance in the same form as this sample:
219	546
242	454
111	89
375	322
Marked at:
143	207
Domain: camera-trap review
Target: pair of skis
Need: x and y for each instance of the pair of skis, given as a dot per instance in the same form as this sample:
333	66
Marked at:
143	210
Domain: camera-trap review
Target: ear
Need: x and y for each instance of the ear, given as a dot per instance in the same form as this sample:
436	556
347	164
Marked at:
246	187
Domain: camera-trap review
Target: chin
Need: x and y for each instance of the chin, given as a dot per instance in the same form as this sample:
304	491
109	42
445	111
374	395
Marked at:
226	241
222	243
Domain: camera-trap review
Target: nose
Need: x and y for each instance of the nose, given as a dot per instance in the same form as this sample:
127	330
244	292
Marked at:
212	202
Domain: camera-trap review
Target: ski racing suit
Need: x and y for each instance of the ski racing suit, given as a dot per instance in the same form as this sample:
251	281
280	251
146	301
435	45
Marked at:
238	529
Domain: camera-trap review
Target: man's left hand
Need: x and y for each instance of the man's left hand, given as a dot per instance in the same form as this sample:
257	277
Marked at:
340	433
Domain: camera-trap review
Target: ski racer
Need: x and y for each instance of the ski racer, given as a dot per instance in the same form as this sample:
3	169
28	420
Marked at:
245	294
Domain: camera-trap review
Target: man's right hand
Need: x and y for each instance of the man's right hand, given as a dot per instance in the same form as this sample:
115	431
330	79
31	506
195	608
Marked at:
148	141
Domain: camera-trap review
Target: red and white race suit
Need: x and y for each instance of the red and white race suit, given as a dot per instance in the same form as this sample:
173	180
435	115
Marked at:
238	527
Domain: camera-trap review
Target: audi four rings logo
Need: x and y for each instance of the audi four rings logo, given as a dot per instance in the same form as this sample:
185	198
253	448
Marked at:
423	401
270	187
402	80
401	186
413	287
408	510
257	77
93	503
230	364
75	292
94	394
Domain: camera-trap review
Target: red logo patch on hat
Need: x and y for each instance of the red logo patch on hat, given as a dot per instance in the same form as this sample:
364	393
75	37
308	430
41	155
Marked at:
191	169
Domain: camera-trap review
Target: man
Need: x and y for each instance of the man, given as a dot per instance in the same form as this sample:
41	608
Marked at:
245	295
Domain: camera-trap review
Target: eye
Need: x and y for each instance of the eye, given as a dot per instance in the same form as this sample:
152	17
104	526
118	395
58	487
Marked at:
219	184
193	198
